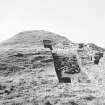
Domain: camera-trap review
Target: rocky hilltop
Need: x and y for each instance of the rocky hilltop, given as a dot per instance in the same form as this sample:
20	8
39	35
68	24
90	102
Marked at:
28	73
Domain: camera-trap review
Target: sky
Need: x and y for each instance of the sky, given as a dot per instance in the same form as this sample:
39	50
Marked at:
81	21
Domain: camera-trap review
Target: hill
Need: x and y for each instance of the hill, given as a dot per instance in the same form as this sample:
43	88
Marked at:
28	76
32	38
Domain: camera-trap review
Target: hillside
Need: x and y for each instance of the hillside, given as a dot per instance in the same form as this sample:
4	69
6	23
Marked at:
32	38
28	75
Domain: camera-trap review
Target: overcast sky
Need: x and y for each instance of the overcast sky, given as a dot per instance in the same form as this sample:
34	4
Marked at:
79	20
